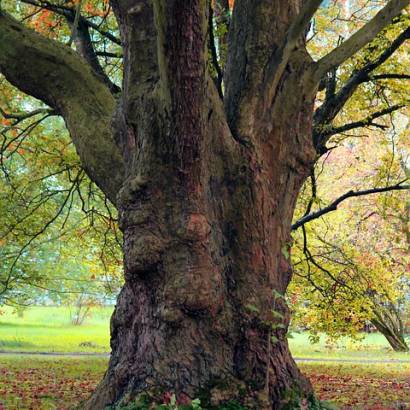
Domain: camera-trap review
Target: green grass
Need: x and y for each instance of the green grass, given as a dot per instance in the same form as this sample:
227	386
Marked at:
49	329
373	347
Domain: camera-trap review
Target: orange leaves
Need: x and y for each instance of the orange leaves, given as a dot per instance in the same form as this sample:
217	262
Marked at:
5	121
43	21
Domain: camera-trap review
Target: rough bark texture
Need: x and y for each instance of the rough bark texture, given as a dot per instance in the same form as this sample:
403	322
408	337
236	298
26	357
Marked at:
205	190
206	222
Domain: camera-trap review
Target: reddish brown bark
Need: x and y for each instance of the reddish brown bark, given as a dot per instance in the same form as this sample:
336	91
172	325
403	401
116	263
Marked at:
205	188
206	219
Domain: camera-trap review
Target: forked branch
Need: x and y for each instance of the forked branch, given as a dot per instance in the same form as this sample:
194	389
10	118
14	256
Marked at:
359	39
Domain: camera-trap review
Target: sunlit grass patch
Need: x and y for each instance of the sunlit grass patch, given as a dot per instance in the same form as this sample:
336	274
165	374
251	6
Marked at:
373	346
48	329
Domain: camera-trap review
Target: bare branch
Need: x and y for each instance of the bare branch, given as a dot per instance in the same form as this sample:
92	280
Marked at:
368	121
351	194
330	108
393	76
359	39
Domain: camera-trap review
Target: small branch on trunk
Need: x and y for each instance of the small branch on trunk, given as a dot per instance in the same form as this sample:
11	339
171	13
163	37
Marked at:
21	116
359	39
85	48
75	23
351	194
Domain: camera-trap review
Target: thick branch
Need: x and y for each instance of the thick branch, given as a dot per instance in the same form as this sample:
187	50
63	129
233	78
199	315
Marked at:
359	39
351	194
259	34
280	58
55	74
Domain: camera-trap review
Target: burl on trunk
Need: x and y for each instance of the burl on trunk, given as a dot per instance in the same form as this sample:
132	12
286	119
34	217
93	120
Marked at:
205	211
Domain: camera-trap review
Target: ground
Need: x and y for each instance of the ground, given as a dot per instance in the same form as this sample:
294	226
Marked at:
53	382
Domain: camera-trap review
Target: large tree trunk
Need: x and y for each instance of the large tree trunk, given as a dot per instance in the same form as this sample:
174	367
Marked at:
206	255
206	223
206	220
205	188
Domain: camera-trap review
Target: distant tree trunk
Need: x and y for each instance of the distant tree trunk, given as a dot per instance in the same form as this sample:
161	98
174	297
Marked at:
388	322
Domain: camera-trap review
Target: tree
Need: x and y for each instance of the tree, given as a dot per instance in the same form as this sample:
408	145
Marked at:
205	186
57	231
351	267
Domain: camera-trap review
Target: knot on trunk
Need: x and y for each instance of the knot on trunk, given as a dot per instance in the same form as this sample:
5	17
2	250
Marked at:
131	190
196	228
143	254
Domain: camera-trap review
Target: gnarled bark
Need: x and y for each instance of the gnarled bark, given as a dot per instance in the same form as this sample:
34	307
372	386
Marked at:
205	189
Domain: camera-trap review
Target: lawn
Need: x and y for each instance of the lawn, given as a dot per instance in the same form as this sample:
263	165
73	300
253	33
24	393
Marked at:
48	329
374	346
46	383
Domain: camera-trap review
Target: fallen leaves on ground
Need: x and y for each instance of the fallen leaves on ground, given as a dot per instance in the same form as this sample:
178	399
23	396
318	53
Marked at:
45	384
361	386
49	383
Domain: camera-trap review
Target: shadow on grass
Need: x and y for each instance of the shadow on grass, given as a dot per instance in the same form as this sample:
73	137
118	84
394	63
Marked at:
29	325
13	344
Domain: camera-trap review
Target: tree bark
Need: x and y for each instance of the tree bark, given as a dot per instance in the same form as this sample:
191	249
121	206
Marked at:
205	190
206	222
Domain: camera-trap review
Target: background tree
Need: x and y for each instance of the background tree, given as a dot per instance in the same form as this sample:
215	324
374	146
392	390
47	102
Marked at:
354	263
58	232
205	187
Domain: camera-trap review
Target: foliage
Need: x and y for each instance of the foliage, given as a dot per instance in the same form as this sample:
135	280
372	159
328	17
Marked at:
57	231
352	266
347	271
